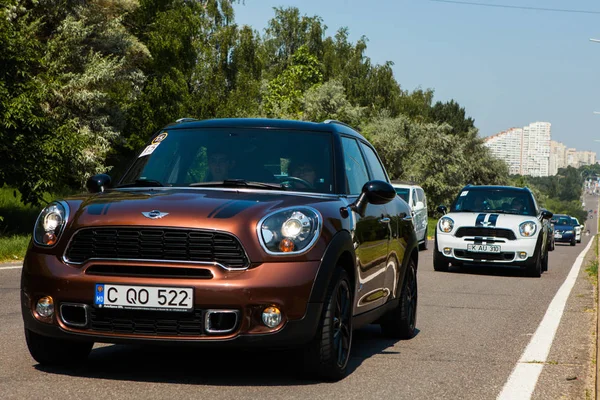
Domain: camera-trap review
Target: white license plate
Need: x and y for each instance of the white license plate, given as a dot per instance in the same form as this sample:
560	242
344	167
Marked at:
483	248
144	297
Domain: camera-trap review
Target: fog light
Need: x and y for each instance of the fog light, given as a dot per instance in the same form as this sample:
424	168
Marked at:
522	255
447	251
271	317
45	307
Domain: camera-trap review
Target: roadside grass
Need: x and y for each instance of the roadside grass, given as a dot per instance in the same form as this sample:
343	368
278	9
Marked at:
16	224
431	227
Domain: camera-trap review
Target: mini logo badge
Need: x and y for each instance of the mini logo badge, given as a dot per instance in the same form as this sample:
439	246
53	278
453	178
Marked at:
154	214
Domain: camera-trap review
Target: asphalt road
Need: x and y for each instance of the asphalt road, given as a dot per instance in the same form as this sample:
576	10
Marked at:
474	324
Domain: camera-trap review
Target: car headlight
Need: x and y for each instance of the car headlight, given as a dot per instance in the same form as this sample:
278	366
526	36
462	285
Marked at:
50	224
289	231
528	228
446	224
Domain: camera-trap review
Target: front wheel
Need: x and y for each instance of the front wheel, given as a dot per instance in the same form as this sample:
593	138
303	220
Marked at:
535	269
50	351
545	263
327	355
573	242
400	323
440	263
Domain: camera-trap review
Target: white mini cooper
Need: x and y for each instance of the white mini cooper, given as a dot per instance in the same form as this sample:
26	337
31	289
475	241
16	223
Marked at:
493	225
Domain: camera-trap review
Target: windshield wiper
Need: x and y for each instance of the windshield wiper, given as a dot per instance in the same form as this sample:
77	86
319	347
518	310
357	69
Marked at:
240	182
143	183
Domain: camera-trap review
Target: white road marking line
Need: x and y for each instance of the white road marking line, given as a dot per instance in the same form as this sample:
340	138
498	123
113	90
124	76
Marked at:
15	267
524	377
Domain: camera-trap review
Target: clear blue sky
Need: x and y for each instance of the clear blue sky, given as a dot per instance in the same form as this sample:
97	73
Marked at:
507	67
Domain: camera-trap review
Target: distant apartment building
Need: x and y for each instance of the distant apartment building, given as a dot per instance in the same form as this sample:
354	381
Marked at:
536	149
586	158
558	158
526	150
507	146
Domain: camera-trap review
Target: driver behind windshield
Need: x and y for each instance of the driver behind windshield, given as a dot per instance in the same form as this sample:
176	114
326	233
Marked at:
305	171
220	165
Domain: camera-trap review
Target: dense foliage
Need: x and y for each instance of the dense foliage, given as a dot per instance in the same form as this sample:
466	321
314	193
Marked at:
84	84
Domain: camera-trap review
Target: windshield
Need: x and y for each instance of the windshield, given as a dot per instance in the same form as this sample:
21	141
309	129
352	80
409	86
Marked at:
403	193
563	220
508	201
257	158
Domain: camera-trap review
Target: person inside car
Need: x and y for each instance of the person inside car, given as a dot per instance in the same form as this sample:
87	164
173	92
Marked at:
220	165
305	171
517	204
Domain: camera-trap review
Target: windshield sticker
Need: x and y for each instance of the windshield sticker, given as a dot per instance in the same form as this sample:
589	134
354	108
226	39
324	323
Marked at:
160	138
464	193
149	150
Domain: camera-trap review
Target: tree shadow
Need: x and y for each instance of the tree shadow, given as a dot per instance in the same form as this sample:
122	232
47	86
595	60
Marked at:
225	367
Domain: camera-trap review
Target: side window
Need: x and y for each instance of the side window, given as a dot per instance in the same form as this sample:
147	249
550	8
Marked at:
421	195
356	170
376	167
414	197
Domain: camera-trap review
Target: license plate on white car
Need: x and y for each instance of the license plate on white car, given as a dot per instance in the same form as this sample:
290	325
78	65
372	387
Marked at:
144	297
483	248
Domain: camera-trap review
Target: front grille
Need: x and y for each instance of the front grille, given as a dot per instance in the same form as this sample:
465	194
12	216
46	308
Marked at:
475	256
149	272
147	322
485	232
156	244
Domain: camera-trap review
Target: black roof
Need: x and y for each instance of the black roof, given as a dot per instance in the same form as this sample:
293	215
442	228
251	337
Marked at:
265	123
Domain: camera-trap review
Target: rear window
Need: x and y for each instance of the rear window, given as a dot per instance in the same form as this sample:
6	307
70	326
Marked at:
403	193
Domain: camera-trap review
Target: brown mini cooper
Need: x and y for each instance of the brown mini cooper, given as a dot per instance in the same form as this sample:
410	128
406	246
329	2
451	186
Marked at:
232	232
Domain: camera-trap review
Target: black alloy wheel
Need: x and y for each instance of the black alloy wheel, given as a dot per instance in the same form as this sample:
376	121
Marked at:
400	323
327	355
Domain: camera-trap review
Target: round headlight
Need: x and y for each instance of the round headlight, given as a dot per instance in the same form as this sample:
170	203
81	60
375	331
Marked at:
446	224
289	231
50	223
528	228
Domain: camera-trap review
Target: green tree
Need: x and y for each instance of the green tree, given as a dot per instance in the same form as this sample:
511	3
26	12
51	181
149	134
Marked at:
70	71
328	101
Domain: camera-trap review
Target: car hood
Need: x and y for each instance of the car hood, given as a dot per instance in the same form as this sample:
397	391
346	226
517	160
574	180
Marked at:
201	208
492	220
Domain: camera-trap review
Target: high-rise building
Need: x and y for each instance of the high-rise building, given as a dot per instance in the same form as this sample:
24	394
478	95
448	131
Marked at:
526	150
557	157
536	149
507	146
586	158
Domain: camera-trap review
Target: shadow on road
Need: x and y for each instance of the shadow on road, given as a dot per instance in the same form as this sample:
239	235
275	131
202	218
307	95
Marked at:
224	367
500	270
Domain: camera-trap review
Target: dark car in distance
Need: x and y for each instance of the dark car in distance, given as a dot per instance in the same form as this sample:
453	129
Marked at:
564	229
231	232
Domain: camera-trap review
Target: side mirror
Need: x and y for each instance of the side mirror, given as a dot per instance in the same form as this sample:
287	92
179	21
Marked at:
442	209
98	183
546	214
374	192
419	205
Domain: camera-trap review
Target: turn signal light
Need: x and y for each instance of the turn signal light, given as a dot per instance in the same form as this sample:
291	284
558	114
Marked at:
286	245
49	238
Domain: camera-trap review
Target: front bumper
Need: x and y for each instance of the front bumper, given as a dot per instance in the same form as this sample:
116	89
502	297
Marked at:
284	285
509	254
565	237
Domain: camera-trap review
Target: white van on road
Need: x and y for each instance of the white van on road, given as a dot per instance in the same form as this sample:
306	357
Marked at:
414	195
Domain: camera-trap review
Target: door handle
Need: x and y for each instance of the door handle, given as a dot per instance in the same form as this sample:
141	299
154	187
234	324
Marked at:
384	220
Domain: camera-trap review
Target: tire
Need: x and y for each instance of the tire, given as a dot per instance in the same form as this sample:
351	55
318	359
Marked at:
573	242
400	323
545	263
423	246
50	351
326	355
535	269
440	263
